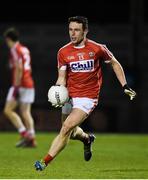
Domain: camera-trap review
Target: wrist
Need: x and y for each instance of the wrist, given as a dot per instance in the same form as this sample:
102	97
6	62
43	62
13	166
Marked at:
125	87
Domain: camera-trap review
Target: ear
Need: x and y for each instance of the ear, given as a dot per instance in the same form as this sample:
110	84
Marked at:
85	32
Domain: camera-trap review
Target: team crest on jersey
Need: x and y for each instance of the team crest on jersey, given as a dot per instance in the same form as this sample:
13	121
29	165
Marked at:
91	54
82	66
81	55
70	57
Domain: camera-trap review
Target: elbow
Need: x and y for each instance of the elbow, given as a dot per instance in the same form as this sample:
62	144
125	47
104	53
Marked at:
116	64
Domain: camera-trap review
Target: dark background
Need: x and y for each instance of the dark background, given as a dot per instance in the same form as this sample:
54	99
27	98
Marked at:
121	25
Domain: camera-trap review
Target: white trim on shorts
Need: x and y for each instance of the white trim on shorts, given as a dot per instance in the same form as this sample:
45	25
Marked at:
26	95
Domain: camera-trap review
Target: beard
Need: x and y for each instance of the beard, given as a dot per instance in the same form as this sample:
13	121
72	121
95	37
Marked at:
79	42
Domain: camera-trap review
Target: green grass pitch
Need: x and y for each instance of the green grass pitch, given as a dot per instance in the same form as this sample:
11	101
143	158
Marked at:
115	156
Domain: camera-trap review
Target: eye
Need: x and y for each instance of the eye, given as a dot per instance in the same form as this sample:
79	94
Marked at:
77	30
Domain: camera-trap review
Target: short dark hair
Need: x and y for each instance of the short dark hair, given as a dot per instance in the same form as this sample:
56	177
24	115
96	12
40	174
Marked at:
12	33
79	19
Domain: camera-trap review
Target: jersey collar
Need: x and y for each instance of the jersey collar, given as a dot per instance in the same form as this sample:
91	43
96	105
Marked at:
80	47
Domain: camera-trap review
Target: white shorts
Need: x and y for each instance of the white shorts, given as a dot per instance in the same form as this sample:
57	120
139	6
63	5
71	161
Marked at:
25	95
85	104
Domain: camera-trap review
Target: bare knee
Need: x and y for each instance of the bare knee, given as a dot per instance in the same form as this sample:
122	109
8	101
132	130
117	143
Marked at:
66	129
25	113
7	111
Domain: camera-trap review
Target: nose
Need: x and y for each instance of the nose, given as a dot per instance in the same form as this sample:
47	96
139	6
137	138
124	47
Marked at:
73	32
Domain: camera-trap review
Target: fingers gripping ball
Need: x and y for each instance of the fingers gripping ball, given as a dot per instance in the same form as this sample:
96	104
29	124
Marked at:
58	95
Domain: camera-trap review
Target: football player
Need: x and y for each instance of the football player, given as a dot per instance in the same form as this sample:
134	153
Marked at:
79	69
21	92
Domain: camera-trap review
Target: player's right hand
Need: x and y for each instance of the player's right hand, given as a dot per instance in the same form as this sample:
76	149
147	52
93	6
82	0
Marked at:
15	91
128	91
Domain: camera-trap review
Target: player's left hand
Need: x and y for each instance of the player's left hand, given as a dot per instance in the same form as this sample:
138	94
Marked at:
128	91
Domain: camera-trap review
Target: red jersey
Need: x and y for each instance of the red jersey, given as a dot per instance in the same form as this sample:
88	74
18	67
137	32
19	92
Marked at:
84	75
21	54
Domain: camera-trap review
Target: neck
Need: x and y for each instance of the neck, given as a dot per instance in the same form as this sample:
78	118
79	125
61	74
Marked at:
13	44
81	43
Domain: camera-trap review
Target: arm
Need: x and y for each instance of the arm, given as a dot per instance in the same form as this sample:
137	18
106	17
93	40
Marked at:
109	58
118	71
62	74
17	77
18	73
121	77
61	81
61	77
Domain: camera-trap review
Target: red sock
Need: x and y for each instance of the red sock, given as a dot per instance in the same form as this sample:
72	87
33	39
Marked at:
23	134
47	159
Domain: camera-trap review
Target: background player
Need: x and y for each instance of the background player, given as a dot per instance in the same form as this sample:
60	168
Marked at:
79	64
21	92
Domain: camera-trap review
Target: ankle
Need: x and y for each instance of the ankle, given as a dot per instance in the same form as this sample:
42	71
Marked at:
47	159
85	137
23	133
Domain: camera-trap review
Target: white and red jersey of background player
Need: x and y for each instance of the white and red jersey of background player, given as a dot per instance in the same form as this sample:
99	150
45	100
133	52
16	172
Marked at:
83	65
21	54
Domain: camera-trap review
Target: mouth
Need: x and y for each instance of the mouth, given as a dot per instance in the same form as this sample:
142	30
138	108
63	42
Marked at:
73	38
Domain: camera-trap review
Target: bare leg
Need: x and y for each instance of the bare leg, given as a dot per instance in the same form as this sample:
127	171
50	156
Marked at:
75	118
77	133
25	110
12	115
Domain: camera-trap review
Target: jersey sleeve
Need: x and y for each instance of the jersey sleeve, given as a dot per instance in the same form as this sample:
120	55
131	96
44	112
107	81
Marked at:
106	55
61	61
